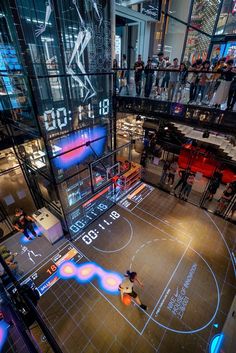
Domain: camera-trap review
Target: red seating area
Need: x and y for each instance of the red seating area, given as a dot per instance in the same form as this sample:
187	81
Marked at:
201	161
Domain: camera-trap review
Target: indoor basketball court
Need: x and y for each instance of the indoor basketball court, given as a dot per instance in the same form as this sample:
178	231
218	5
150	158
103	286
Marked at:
187	289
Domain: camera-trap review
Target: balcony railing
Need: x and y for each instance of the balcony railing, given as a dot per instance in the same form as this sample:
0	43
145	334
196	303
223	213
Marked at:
192	100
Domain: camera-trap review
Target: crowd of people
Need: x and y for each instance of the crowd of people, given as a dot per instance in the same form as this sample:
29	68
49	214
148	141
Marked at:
202	83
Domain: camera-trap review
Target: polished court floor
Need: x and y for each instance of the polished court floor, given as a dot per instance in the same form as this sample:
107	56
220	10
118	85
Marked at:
183	255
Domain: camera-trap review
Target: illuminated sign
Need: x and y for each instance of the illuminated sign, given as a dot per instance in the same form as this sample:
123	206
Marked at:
103	225
216	343
93	212
3	333
152	8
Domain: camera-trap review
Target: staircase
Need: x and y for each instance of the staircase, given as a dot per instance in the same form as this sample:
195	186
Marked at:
222	143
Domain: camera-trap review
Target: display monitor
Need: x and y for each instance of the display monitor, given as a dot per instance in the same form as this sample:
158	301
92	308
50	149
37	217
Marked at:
78	146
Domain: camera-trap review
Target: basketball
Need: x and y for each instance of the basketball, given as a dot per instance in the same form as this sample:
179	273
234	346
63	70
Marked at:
126	299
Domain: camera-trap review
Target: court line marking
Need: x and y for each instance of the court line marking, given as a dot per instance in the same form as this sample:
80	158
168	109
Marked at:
222	236
163	221
103	295
155	226
216	310
155	321
123	247
214	277
163	292
150	190
144	197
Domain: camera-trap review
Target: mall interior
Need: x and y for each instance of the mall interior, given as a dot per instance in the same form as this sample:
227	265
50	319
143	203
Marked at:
117	153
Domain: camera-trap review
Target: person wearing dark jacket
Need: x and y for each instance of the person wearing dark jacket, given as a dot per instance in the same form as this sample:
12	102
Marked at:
149	72
183	179
232	95
182	80
138	67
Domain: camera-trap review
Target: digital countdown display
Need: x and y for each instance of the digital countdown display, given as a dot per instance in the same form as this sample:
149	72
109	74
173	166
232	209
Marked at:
103	225
59	119
88	212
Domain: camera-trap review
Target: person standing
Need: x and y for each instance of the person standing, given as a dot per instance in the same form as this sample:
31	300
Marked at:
232	95
203	81
182	79
126	287
214	185
165	170
166	79
172	172
214	81
138	70
184	174
23	223
193	79
185	191
224	201
124	76
115	67
173	79
148	71
161	64
227	75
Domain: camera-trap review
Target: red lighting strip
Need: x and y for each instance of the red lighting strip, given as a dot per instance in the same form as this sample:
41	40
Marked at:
96	197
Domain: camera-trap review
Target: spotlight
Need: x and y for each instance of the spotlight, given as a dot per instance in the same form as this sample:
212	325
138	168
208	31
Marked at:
166	128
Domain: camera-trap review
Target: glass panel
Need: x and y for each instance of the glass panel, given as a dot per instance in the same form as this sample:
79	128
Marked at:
180	9
174	38
196	46
14	192
57	118
63	61
8	159
75	189
75	151
31	150
88	212
227	20
204	14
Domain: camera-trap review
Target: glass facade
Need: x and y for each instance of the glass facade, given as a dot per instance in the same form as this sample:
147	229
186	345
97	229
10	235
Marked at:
204	15
174	38
58	99
197	46
189	27
227	19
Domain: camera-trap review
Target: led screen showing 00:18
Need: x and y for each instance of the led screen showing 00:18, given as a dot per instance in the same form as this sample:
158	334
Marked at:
77	147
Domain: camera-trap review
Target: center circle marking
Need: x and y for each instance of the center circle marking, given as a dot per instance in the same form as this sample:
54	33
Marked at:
213	275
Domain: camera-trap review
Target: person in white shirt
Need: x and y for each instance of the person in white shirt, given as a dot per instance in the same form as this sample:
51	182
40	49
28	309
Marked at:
126	287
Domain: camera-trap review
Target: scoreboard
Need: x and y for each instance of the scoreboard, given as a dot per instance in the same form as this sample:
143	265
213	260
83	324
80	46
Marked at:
46	275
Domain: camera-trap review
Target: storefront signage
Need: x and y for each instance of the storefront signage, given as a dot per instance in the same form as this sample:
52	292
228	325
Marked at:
152	8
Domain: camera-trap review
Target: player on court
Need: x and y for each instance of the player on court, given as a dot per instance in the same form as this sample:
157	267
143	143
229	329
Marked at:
126	287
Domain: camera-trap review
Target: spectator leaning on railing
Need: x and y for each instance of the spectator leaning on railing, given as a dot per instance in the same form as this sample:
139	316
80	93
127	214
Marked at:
222	92
173	79
182	80
138	67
